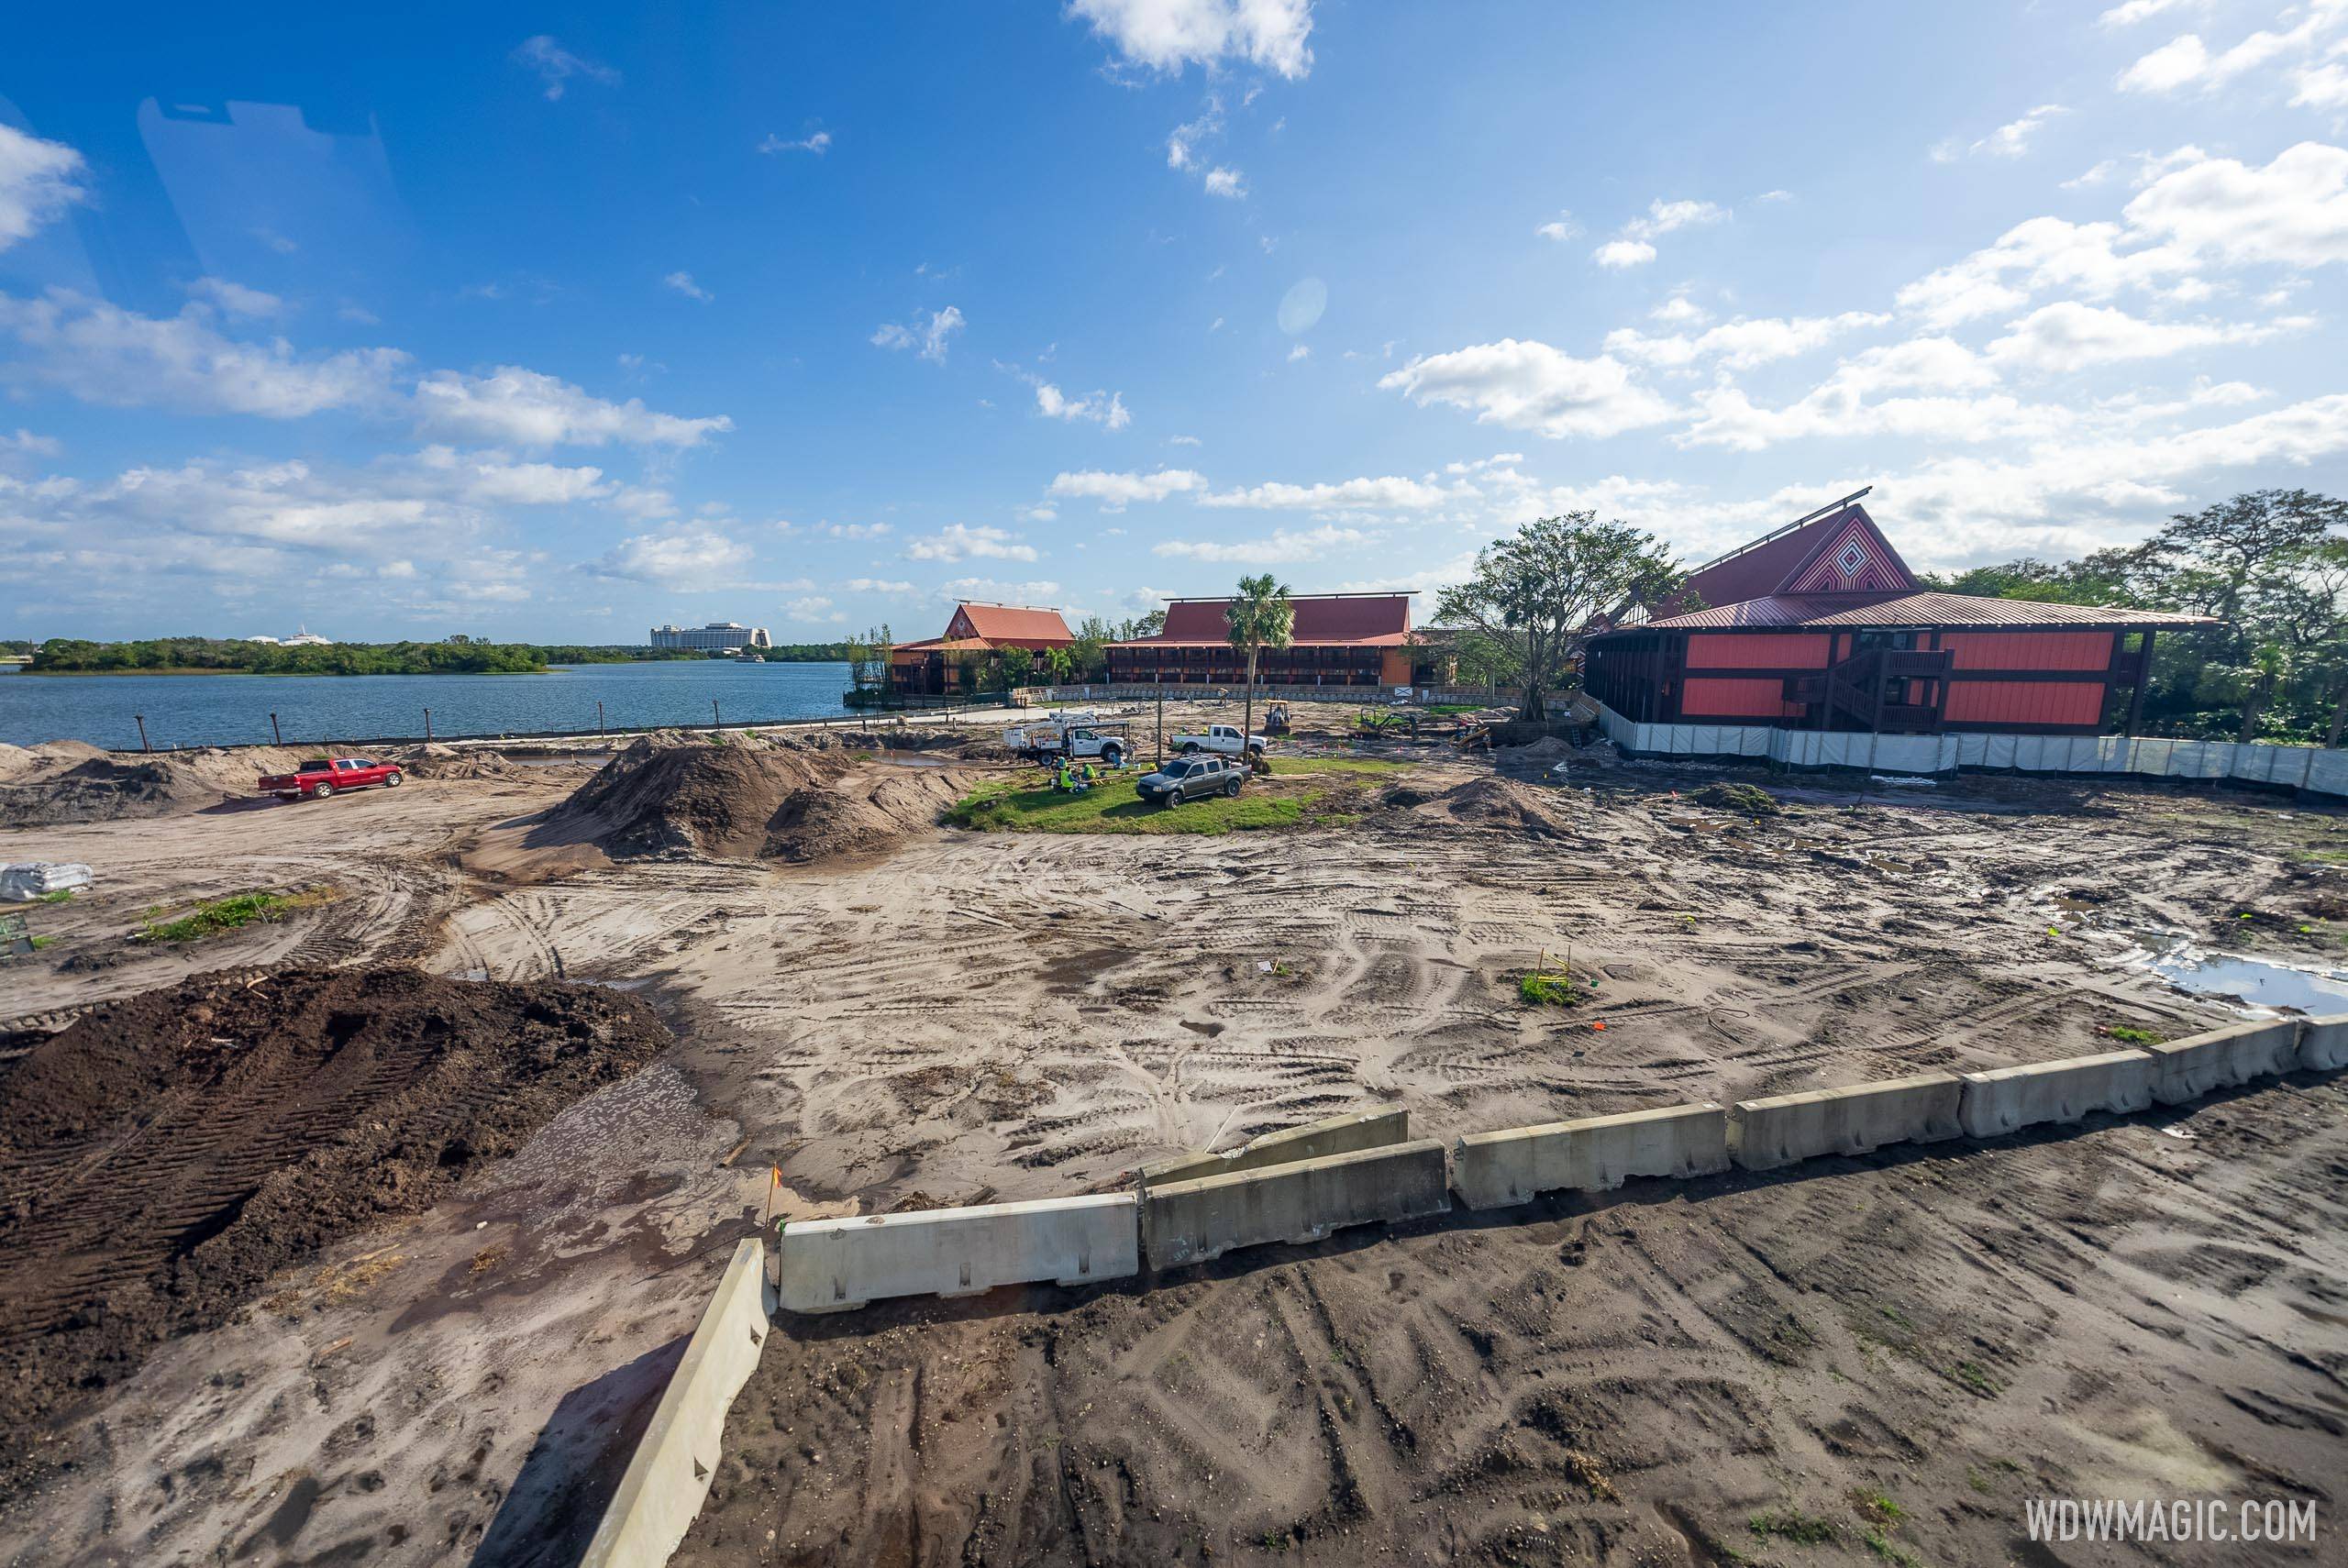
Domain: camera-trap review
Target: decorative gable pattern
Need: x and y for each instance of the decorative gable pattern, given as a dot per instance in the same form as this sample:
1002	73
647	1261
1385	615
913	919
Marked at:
1854	559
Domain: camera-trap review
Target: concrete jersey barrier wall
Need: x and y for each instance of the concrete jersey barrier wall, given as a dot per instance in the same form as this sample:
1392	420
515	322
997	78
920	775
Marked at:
2006	1098
835	1265
1317	1140
1493	1170
1194	1221
2187	1069
1766	1133
662	1492
2323	1043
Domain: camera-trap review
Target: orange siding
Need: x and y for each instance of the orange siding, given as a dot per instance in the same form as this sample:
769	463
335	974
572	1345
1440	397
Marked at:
2024	701
1713	698
2029	650
1776	650
1394	667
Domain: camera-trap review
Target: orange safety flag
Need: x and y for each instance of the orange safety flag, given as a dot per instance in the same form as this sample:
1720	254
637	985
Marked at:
774	1179
1598	1024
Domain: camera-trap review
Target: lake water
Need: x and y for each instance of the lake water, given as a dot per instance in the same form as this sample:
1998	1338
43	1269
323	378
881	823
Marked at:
229	710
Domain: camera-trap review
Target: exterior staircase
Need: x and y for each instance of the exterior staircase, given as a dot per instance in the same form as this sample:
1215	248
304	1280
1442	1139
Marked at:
1851	690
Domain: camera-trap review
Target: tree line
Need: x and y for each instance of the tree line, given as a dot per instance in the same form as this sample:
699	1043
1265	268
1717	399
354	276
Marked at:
457	654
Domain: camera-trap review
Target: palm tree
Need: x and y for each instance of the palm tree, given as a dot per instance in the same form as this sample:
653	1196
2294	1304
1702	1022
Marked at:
1261	617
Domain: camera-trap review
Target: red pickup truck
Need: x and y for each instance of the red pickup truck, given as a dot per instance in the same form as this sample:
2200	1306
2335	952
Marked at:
322	776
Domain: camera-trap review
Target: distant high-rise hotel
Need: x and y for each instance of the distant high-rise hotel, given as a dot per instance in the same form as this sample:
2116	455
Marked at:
718	636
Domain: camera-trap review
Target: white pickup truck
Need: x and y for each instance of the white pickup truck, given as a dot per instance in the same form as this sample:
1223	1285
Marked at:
1224	738
1076	736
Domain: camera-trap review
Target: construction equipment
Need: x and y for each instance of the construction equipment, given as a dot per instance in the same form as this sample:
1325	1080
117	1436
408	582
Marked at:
1276	720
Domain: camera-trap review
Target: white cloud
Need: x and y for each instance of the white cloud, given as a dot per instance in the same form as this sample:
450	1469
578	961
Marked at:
493	478
1680	311
2096	175
31	444
687	555
557	66
1183	441
961	541
2186	61
1106	410
2293	212
814	607
1560	228
1621	254
38	180
855	530
2059	338
929	340
875	585
1115	491
1282	546
1389	493
1850	402
528	409
2009	140
2048	253
989	591
2323	87
1300	351
2129	11
817	144
683	283
1742	342
1169	35
103	354
1230	183
1528	386
1181	143
235	299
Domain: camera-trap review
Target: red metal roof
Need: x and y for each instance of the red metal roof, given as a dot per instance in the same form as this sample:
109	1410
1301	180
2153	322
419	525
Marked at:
1772	564
1010	624
1361	620
1944	610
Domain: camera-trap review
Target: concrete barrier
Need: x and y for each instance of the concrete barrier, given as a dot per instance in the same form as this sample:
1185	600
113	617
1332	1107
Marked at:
1493	1170
834	1265
2323	1043
1316	1140
1193	1222
1766	1133
661	1490
2187	1069
2005	1099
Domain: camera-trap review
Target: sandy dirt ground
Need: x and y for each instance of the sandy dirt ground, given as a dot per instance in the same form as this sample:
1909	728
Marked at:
1909	1344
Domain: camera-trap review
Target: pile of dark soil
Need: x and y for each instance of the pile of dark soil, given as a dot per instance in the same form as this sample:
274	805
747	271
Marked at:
164	1155
67	782
751	801
1748	799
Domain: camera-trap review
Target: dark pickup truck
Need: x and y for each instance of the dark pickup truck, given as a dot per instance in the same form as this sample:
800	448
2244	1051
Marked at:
322	776
1188	778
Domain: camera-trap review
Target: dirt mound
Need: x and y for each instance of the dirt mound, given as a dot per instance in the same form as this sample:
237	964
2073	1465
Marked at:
165	1154
434	761
1747	799
790	802
1505	805
74	783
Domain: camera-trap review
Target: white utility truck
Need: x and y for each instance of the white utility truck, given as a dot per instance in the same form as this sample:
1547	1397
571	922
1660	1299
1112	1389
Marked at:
1225	739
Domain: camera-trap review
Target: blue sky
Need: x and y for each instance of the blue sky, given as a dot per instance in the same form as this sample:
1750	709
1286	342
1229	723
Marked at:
556	324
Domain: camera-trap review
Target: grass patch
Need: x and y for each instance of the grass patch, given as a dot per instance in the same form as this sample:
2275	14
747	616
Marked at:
1298	767
1538	990
62	896
231	913
2129	1034
1029	804
1974	1377
1792	1524
40	942
1883	1546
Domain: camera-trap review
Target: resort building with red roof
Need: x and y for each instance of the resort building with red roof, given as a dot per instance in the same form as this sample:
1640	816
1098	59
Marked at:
1821	626
1339	639
958	659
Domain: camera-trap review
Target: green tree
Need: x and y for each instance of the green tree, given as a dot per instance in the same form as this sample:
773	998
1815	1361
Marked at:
1536	593
1261	617
1013	668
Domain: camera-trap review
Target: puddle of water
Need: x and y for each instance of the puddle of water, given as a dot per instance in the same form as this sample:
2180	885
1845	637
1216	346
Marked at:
2259	982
